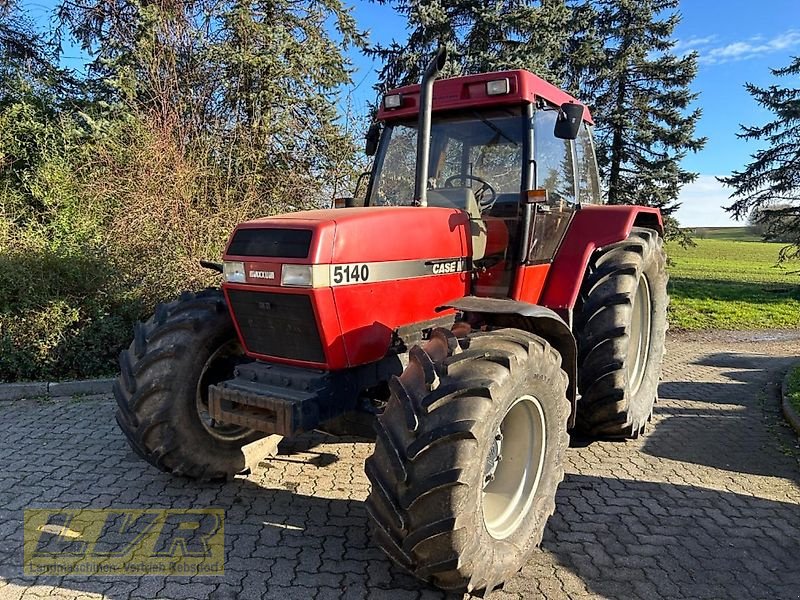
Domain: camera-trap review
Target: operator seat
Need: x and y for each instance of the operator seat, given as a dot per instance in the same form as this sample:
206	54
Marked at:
463	198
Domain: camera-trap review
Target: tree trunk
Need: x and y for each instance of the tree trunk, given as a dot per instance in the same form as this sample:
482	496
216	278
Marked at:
614	178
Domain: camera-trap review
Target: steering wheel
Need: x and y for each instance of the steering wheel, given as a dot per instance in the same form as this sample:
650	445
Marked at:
485	188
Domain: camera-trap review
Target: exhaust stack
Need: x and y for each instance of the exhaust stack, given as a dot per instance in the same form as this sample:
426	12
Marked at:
431	74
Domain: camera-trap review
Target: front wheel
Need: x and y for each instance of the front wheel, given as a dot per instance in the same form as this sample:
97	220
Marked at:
468	456
162	389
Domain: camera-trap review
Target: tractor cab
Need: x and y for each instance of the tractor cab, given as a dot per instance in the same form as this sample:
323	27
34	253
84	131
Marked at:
494	140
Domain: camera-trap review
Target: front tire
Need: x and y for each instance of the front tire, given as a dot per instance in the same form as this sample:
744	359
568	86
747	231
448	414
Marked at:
442	505
620	329
162	389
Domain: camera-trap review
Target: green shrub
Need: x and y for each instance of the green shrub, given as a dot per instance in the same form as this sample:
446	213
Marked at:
101	226
793	389
114	183
61	314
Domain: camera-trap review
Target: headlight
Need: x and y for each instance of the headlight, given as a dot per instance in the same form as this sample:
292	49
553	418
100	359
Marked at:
296	275
497	87
233	271
392	101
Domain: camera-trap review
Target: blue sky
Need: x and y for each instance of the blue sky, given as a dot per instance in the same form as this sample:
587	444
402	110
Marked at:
738	41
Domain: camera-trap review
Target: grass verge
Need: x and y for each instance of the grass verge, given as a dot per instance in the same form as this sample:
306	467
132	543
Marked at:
793	389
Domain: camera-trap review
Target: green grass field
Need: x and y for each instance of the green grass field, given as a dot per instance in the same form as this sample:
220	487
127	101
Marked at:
725	283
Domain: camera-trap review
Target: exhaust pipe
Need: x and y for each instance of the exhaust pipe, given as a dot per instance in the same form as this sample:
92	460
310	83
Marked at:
431	74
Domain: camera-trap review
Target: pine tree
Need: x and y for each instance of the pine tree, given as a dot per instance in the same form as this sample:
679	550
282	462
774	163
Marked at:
38	100
27	60
769	186
641	99
19	45
481	36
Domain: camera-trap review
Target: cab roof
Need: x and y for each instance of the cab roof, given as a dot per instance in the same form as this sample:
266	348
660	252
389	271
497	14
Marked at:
470	92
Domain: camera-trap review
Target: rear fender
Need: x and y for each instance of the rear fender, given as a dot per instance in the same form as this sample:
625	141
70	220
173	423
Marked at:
502	312
592	227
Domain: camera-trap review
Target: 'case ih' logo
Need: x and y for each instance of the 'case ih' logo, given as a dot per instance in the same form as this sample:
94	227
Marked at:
448	266
261	274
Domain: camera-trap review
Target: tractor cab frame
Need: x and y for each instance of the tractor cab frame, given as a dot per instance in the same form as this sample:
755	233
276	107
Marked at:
491	161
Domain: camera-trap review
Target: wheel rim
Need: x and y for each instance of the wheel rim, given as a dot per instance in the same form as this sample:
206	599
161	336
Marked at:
639	343
514	467
219	367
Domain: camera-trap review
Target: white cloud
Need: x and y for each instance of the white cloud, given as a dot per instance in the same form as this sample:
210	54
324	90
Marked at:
750	48
693	44
702	202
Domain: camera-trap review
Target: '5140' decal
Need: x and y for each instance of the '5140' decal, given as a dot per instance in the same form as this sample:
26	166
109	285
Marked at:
350	273
393	270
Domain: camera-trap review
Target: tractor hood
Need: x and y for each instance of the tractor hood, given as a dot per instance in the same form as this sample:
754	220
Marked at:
333	288
348	236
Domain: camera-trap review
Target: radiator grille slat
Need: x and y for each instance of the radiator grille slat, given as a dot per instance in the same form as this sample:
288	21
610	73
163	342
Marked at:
280	325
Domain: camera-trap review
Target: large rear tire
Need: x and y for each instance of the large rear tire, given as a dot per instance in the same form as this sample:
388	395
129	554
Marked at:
442	504
620	329
162	389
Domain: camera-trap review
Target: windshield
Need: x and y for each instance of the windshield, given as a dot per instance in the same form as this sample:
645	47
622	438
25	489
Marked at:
480	150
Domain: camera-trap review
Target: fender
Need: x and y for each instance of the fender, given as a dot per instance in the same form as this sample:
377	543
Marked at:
502	312
592	227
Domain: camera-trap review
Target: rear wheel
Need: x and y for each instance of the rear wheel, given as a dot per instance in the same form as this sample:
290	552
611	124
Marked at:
620	329
468	456
162	389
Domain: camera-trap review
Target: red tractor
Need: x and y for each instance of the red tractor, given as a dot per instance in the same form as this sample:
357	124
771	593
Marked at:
478	305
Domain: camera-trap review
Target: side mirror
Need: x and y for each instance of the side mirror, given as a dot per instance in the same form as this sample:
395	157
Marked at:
568	123
373	136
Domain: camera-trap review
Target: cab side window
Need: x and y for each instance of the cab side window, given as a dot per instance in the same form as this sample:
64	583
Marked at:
586	167
396	184
554	159
555	172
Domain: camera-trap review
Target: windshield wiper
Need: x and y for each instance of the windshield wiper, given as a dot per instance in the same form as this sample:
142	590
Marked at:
493	127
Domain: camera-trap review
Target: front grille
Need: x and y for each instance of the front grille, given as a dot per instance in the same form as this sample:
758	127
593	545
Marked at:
280	325
271	243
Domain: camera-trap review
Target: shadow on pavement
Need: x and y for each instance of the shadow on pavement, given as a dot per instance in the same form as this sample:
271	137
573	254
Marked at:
748	375
727	424
620	538
636	539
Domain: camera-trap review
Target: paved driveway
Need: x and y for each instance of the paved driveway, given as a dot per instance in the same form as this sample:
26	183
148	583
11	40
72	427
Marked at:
707	505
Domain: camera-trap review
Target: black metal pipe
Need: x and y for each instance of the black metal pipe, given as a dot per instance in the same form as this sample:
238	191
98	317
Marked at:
431	74
530	184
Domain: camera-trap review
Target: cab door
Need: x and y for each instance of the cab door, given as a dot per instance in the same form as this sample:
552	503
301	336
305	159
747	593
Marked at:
554	171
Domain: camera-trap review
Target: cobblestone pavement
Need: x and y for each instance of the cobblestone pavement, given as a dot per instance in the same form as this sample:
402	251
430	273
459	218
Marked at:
707	505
